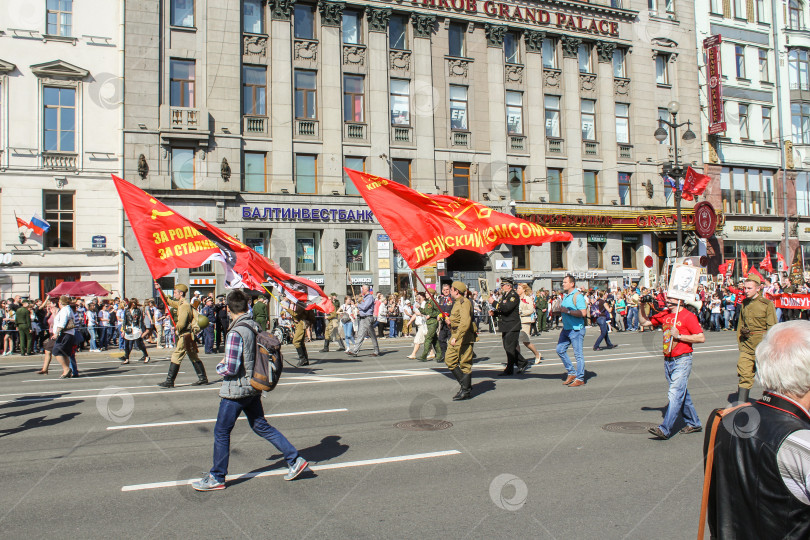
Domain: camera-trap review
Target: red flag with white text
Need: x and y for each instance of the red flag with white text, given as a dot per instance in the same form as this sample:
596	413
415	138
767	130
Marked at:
694	184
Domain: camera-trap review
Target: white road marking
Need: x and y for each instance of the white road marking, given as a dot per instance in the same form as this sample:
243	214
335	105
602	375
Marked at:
212	420
72	380
279	472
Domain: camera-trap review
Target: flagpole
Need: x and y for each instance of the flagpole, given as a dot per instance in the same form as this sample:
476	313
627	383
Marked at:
351	283
427	291
165	303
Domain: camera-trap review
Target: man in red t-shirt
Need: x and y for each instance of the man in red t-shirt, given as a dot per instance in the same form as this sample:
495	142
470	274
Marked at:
678	339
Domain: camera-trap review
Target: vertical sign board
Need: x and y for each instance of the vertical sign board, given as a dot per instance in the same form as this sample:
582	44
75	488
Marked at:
717	121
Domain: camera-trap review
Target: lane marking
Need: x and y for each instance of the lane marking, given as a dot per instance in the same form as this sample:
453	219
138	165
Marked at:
279	472
162	374
212	420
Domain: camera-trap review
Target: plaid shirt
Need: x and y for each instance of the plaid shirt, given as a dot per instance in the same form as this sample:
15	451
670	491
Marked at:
233	355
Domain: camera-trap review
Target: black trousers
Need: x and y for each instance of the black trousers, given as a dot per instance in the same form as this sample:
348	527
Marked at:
130	343
511	345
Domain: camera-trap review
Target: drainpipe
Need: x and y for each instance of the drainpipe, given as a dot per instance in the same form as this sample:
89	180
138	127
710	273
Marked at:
121	257
782	164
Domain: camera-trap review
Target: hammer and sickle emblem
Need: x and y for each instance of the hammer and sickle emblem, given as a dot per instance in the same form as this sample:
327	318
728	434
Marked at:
156	213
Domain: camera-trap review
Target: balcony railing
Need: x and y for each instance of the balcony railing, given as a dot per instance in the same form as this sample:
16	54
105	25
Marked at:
185	118
255	125
59	161
352	130
402	134
517	143
625	151
461	138
555	146
306	128
590	148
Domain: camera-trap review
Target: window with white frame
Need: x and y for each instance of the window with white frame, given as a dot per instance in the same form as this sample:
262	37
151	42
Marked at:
619	70
59	118
798	69
803	194
552	110
800	122
458	107
514	112
662	69
739	9
739	61
716	7
795	15
623	123
352	21
663	114
549	53
60	17
762	12
584	58
400	102
588	112
742	109
764	75
767	130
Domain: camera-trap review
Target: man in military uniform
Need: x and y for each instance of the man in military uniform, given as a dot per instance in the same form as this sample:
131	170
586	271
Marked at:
757	315
541	307
432	316
509	325
260	312
185	339
22	318
331	333
459	355
301	317
208	331
445	302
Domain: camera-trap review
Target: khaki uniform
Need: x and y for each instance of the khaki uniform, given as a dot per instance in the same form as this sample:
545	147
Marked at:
461	328
758	315
331	332
300	318
185	337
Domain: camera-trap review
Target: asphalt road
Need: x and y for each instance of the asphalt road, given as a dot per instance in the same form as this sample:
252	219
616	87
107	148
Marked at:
526	457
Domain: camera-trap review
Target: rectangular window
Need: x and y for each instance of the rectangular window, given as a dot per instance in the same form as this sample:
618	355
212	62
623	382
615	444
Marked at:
456	38
304	21
595	250
590	180
401	171
60	213
400	102
739	9
739	191
558	255
552	107
629	250
662	69
255	172
254	93
458	107
725	189
461	180
739	60
762	12
60	119
253	16
652	6
716	7
754	194
619	70
357	164
550	53
308	251
181	83
398	32
663	114
803	194
795	15
767	193
743	112
306	173
622	123
800	122
555	187
305	94
625	198
517	183
514	113
520	257
588	110
60	17
511	48
351	27
669	5
798	69
182	13
357	250
182	167
763	66
584	58
353	97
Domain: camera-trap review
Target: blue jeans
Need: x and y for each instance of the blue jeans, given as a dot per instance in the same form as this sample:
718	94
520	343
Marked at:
575	338
92	331
716	322
603	327
392	328
729	315
229	411
680	402
632	318
121	339
348	332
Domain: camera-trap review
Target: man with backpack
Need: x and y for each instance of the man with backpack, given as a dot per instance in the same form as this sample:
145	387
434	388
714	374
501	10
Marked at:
239	395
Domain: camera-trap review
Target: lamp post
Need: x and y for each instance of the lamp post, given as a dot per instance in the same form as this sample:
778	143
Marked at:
675	170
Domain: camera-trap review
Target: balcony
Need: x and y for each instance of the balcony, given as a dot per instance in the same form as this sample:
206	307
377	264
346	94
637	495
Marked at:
59	161
590	148
352	130
184	123
625	151
402	134
254	125
185	118
517	143
460	138
306	128
554	146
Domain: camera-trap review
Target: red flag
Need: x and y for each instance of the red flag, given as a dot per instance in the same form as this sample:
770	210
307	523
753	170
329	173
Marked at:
22	224
251	269
781	259
722	269
694	184
766	264
744	262
167	239
426	228
754	271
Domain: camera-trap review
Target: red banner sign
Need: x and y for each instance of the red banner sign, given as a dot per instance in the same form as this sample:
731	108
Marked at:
717	121
790	301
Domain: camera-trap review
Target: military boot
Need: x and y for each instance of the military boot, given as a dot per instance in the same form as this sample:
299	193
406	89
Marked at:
202	378
171	376
325	346
459	375
466	388
302	357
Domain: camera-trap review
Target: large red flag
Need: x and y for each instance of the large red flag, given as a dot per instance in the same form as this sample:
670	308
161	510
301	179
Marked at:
754	271
781	258
766	265
167	239
426	228
694	184
744	262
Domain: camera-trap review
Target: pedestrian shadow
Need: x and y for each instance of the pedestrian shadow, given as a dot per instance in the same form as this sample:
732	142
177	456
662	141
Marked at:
38	422
22	401
37	409
480	359
483	387
662	409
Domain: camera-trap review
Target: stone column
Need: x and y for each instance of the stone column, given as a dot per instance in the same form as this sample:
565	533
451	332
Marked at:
606	123
534	114
496	95
330	175
281	96
423	166
379	121
572	122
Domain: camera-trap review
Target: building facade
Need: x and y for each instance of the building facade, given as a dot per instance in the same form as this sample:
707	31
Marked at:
60	138
245	114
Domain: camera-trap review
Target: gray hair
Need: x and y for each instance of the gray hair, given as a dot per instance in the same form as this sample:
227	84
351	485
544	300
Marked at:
783	359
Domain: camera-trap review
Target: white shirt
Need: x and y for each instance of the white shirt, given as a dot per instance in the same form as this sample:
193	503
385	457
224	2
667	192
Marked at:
62	319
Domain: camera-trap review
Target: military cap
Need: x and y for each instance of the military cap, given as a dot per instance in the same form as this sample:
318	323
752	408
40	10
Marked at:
180	287
509	280
753	277
460	287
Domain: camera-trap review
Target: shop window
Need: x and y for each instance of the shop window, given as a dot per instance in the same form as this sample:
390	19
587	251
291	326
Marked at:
595	253
60	214
629	251
747	191
520	257
304	21
461	180
257	240
357	164
558	255
357	250
308	251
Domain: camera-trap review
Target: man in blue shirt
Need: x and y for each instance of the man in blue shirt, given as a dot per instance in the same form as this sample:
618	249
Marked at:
365	315
574	309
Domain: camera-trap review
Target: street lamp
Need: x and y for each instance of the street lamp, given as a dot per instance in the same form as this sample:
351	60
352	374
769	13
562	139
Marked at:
674	169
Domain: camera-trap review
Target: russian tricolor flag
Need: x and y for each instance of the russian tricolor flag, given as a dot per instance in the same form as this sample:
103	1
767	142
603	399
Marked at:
39	225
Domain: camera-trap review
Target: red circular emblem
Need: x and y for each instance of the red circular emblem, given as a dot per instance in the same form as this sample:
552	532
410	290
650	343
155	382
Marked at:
648	261
705	219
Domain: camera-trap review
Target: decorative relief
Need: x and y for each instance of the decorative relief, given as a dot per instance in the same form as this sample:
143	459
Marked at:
534	40
789	154
457	67
494	33
399	60
378	19
605	50
587	83
254	47
281	10
354	55
713	157
514	73
621	87
331	13
305	50
423	25
570	46
551	78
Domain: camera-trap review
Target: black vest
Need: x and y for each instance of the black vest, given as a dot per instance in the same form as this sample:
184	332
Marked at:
748	498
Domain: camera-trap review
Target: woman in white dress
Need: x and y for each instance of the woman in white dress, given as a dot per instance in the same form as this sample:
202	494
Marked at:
421	324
